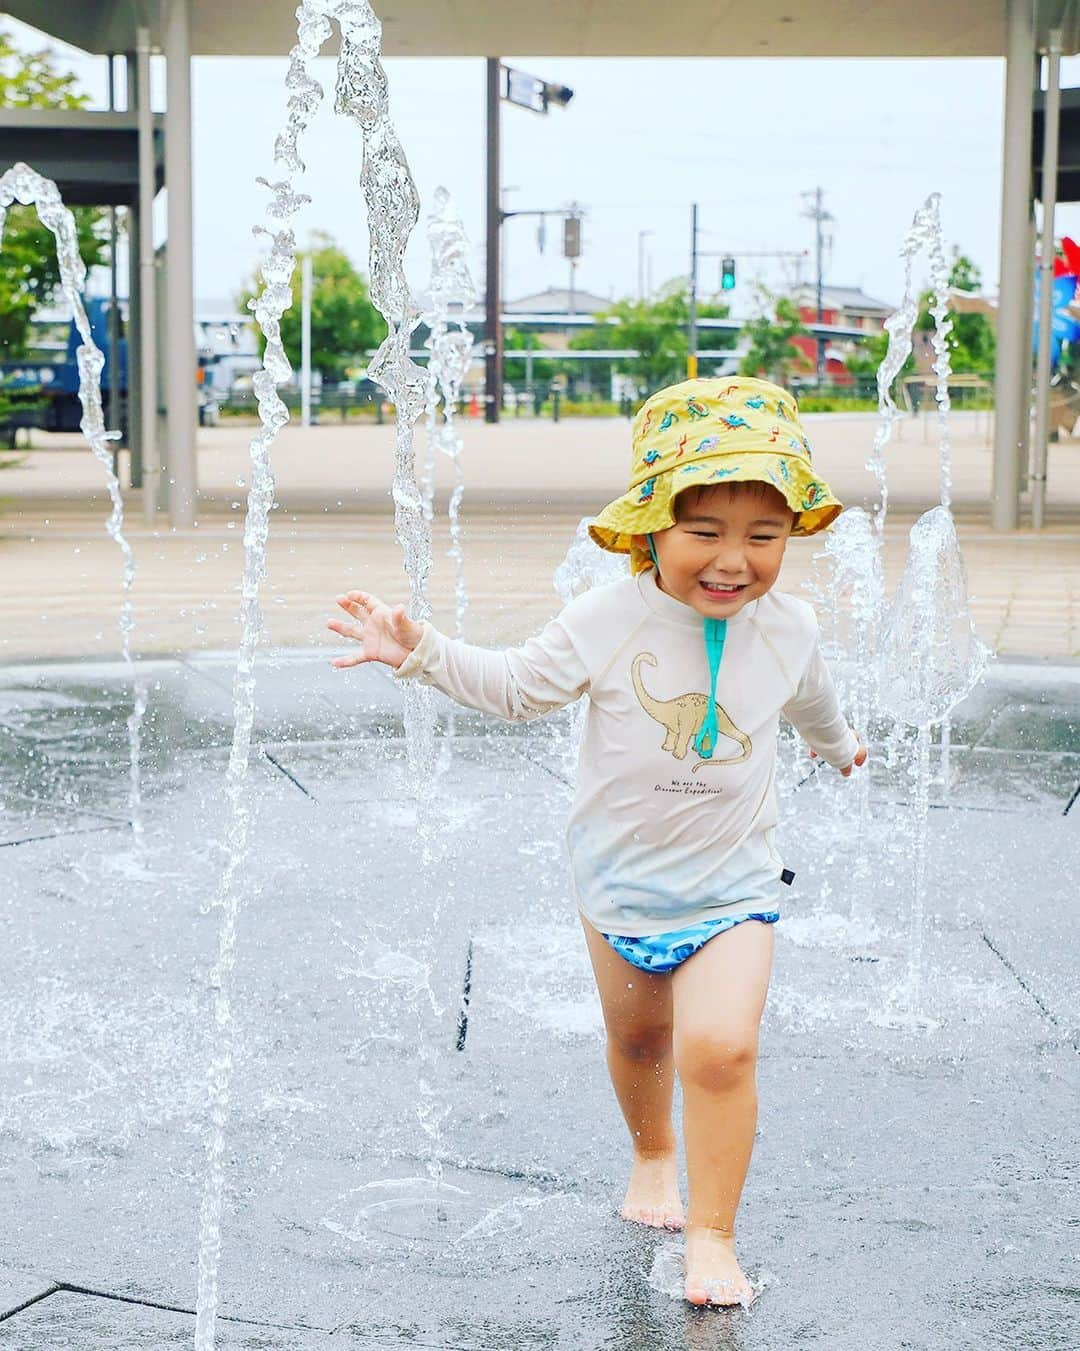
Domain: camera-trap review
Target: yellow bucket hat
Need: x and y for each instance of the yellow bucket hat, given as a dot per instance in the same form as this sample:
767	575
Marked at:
704	432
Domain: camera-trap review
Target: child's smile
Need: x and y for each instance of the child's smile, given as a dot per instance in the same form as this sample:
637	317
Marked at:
725	548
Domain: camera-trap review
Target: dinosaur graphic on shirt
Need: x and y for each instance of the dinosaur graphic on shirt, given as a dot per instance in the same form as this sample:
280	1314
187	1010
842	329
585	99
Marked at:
684	717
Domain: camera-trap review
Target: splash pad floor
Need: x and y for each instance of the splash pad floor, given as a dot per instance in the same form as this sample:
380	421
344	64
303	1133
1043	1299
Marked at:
909	1188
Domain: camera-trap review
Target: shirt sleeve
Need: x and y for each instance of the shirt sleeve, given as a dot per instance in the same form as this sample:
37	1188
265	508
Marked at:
814	711
517	683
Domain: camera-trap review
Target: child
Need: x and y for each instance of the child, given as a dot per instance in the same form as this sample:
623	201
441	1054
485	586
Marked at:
671	833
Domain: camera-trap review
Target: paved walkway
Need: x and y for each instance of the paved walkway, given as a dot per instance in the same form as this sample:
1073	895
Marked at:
527	485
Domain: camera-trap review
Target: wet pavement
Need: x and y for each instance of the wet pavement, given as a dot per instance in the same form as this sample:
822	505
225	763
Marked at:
384	1188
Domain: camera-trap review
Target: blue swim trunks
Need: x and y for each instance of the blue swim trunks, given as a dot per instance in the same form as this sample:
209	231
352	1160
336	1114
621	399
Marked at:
664	952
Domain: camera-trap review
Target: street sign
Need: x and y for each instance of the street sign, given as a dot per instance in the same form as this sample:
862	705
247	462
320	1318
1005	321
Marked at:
526	90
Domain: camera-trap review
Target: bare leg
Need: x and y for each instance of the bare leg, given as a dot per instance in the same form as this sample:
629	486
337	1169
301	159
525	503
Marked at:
718	996
637	1016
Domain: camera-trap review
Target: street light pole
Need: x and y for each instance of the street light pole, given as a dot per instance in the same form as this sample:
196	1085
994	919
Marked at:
536	95
691	355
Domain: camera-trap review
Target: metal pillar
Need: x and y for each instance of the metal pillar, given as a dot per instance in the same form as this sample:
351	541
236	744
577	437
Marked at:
180	332
493	337
115	421
145	285
1051	120
134	348
305	341
1013	383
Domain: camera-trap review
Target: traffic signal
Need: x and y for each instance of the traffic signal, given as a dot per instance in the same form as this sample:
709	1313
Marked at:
572	237
727	274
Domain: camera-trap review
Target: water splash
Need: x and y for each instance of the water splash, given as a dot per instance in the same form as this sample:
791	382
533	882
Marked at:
393	207
274	298
451	351
924	235
847	584
586	566
27	187
927	657
931	658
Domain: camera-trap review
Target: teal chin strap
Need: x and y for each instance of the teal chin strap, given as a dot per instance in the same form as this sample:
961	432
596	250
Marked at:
715	633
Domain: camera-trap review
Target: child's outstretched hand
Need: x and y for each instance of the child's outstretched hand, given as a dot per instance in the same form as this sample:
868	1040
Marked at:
860	758
384	634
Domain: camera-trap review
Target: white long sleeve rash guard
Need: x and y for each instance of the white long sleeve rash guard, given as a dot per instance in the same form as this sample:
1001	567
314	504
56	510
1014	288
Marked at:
659	837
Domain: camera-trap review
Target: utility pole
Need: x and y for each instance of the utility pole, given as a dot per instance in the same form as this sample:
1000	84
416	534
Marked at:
691	355
817	213
641	237
537	95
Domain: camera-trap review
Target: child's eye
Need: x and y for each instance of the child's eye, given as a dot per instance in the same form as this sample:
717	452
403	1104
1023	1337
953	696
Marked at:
764	539
703	534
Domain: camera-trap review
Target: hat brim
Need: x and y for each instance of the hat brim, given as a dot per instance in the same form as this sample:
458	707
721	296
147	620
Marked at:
650	507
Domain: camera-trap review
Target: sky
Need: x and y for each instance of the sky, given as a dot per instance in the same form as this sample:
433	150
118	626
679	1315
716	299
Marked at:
640	141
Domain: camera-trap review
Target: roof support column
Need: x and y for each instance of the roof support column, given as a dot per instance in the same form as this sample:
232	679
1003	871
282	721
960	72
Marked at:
180	330
144	286
1051	117
1013	382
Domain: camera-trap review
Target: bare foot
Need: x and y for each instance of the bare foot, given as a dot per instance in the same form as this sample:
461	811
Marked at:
652	1194
713	1274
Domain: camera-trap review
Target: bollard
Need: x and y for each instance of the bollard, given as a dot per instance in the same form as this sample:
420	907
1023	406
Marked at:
378	412
555	405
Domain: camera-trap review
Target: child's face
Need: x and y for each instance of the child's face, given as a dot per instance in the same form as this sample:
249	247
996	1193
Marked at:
726	547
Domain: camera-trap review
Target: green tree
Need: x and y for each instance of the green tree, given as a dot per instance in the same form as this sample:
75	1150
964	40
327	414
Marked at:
771	352
345	325
972	342
29	273
544	367
869	355
658	330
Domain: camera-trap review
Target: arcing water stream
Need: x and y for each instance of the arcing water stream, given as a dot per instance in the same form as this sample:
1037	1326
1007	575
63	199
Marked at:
393	208
911	661
23	185
451	352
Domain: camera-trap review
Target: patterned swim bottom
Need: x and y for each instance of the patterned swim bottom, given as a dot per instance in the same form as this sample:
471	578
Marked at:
664	952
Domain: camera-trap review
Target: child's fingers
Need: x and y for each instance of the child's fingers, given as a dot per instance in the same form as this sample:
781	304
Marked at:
357	603
353	659
346	630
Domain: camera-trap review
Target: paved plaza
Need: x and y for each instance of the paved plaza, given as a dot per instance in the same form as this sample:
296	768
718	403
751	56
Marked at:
910	1189
528	483
405	1167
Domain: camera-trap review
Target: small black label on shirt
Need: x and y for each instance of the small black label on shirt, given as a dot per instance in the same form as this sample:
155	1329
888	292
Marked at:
787	877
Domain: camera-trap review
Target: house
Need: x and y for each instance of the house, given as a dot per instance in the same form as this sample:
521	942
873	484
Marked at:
846	307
